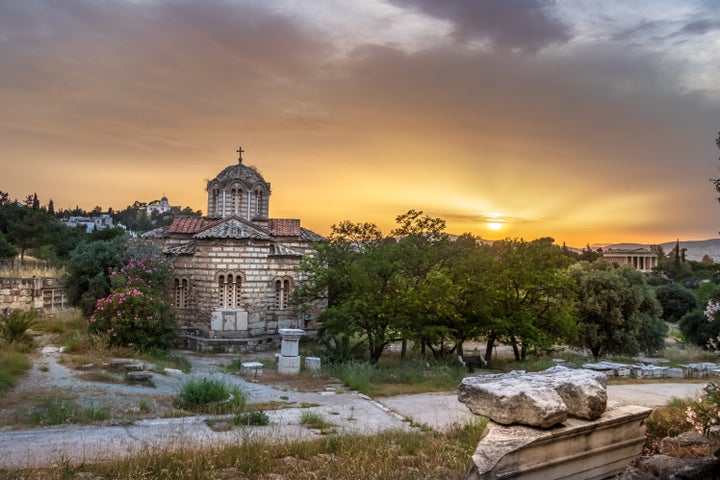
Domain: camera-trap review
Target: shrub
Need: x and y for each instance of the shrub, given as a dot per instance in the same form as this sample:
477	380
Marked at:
704	413
14	327
137	313
210	395
255	418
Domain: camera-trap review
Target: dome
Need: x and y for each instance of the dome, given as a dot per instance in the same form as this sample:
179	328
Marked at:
248	175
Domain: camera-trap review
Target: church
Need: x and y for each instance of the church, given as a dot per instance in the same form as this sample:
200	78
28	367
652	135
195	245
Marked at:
235	269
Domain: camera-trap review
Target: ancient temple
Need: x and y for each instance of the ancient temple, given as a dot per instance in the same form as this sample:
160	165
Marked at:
235	268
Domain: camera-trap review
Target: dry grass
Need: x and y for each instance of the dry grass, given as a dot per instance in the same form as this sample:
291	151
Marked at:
388	456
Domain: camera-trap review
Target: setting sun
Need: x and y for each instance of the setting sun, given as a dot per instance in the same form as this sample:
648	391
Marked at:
494	225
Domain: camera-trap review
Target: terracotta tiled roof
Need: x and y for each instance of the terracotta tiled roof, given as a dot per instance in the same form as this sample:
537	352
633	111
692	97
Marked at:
284	227
187	224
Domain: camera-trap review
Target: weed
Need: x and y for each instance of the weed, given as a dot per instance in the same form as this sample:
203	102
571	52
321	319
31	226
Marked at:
252	418
314	421
12	365
62	410
14	327
209	395
145	405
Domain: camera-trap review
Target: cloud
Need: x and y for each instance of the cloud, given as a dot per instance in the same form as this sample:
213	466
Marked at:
514	24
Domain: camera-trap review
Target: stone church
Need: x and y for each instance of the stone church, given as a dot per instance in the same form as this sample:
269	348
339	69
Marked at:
234	270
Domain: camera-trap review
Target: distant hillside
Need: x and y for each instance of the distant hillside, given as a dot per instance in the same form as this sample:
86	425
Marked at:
696	249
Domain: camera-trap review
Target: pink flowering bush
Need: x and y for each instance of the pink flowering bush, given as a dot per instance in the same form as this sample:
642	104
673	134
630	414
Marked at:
138	313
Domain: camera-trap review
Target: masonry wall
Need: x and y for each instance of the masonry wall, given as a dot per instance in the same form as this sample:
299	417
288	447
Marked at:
43	295
259	270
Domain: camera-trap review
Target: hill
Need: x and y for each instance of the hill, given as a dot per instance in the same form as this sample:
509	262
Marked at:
695	249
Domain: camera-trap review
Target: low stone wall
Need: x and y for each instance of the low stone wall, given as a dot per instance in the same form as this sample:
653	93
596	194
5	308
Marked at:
43	295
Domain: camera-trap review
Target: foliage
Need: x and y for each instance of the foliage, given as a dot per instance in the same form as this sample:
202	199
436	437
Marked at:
675	300
14	326
616	310
12	365
256	418
704	413
137	313
210	395
61	410
668	421
395	376
340	348
7	249
533	296
698	329
87	276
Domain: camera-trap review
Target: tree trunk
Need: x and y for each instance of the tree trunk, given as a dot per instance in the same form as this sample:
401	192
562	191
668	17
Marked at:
460	350
516	352
403	350
489	346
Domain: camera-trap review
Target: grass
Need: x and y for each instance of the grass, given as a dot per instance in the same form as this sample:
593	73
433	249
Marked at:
12	365
390	455
64	410
210	395
314	421
398	376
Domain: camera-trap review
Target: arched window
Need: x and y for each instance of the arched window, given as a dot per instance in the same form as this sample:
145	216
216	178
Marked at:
258	203
180	290
229	293
282	293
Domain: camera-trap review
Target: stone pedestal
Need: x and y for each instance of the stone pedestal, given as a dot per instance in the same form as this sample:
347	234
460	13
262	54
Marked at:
312	363
289	360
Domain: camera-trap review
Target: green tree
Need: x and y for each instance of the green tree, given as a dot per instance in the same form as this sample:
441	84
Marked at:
675	300
533	296
7	250
697	328
614	309
87	272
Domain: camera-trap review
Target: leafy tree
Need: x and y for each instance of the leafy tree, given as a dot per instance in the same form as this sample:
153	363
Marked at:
7	250
675	300
25	227
615	308
533	296
697	328
87	272
137	313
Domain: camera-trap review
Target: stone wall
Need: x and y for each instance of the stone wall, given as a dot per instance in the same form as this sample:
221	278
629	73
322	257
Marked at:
43	295
256	312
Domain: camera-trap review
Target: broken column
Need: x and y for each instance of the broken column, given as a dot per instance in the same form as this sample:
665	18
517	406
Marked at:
551	424
289	359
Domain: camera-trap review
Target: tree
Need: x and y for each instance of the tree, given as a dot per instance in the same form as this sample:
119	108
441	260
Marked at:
614	309
7	250
675	300
87	272
699	327
533	296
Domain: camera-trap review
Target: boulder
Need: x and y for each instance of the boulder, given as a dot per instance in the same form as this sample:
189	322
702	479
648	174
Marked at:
542	399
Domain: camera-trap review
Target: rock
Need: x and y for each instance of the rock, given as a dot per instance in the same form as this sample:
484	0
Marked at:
173	372
688	442
669	468
542	399
138	376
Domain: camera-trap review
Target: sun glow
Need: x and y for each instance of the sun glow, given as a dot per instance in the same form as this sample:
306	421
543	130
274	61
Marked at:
494	225
493	221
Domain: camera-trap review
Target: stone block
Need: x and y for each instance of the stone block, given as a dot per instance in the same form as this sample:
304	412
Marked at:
312	363
579	450
288	365
541	399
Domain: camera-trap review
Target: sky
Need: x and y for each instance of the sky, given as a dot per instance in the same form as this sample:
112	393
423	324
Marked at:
588	121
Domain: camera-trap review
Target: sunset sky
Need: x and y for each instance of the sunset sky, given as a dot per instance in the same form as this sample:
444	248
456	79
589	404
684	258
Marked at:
589	121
